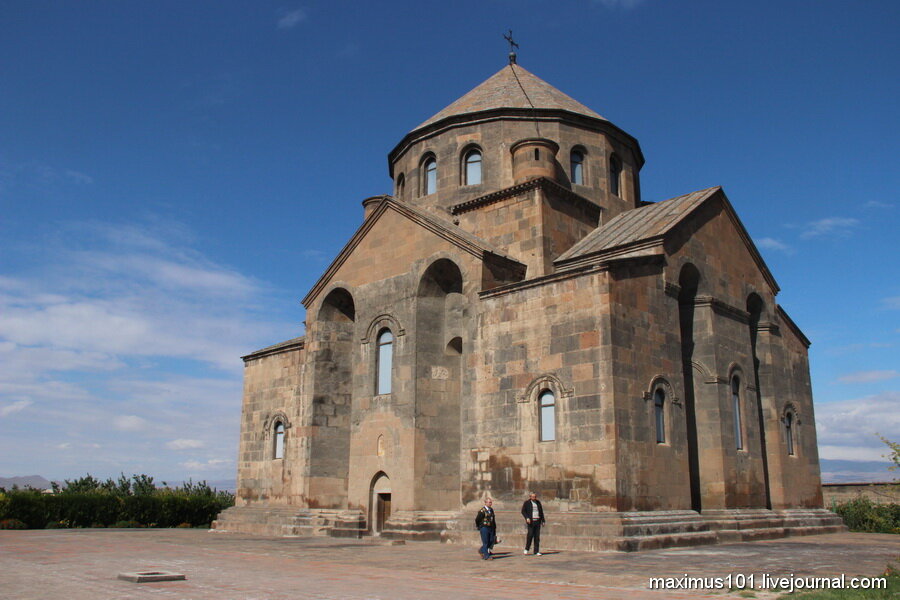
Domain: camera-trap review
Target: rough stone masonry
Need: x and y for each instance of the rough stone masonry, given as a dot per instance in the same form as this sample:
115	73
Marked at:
516	318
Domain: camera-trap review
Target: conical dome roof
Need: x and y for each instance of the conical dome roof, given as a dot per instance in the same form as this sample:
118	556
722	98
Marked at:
512	87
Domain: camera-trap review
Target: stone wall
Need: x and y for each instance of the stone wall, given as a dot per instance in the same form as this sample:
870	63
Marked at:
534	338
879	493
272	389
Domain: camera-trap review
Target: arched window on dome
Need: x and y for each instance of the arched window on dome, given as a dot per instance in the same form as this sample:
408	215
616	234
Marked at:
615	175
472	165
429	175
384	368
576	160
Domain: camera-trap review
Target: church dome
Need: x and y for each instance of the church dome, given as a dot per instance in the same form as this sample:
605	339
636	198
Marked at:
512	87
477	146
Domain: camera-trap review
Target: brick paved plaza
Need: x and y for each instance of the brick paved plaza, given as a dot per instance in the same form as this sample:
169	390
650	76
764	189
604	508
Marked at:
83	564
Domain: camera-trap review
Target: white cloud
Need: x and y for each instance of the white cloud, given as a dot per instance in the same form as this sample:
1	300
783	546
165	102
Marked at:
290	19
184	444
79	177
128	339
129	423
126	291
214	463
768	243
849	429
868	376
877	204
832	226
892	302
314	255
15	407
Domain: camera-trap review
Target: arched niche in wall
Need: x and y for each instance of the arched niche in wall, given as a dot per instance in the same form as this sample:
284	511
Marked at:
439	341
331	390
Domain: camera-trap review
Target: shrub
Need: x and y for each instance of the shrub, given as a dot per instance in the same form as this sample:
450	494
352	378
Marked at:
861	514
12	524
126	524
88	502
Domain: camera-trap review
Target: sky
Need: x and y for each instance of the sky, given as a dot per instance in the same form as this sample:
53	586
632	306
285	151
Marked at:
174	177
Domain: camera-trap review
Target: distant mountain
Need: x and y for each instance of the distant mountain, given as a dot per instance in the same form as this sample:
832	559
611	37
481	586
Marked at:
35	481
852	471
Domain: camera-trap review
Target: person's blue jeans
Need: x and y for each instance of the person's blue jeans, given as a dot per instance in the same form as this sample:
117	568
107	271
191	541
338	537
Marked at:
487	537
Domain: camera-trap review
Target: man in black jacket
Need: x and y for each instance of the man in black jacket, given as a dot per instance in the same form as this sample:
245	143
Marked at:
533	513
486	524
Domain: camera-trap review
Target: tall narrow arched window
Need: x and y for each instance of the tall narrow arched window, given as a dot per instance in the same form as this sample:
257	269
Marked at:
615	174
473	167
736	406
278	441
429	175
547	403
385	362
401	186
789	432
659	410
577	162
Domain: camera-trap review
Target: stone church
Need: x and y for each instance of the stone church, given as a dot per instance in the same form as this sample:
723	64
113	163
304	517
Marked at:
515	317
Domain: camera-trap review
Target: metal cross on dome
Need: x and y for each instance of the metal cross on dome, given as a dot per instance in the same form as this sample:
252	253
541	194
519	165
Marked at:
512	44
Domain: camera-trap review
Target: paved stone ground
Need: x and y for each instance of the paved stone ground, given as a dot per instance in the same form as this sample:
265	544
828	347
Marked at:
83	564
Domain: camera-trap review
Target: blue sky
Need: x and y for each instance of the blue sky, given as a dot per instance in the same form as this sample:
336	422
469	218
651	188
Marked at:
175	175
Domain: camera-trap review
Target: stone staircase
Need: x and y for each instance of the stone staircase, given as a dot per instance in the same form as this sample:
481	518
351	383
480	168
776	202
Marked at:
637	531
586	531
420	525
290	521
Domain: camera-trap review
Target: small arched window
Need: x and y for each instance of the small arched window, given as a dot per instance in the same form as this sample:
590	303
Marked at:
615	174
659	410
547	404
736	406
473	167
385	362
401	186
577	164
789	432
429	176
278	441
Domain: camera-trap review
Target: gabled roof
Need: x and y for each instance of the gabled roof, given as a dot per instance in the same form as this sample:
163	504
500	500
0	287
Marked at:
640	232
512	87
629	227
443	228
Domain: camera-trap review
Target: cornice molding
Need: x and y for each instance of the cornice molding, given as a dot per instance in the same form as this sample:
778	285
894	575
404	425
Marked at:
539	281
723	308
289	346
543	183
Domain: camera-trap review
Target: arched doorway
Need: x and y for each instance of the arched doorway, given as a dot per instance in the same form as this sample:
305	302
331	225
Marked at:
380	503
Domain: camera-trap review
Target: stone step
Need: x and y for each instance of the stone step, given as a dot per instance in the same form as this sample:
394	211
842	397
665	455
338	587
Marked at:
589	531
